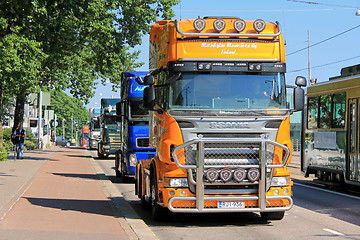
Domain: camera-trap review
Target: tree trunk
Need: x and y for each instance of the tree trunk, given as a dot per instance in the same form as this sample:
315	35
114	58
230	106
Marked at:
19	110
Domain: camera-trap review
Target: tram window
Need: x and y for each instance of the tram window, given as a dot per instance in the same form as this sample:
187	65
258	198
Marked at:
312	112
338	111
325	114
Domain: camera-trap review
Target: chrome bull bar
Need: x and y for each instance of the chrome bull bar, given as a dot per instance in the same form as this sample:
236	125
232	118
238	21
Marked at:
263	163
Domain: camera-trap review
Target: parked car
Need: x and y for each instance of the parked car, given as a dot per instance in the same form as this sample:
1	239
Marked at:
62	142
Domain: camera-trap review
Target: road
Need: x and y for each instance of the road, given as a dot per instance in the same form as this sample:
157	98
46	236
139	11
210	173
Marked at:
316	214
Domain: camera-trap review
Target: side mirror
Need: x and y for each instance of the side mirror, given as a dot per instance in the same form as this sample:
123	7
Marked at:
118	112
299	93
300	81
149	97
149	80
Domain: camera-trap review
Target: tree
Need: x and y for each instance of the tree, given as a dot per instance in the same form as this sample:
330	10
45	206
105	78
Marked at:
66	107
71	44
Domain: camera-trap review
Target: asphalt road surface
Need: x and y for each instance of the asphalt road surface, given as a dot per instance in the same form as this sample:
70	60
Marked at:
317	214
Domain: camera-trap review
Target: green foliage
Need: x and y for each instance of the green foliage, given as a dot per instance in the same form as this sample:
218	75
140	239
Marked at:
7	137
3	156
66	107
70	44
30	142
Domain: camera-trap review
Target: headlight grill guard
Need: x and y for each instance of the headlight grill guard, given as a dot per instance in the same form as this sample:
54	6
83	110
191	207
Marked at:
200	155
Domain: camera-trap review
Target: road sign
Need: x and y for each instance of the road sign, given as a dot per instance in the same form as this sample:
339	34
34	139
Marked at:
76	122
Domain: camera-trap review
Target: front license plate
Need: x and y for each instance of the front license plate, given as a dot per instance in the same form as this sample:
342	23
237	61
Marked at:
231	204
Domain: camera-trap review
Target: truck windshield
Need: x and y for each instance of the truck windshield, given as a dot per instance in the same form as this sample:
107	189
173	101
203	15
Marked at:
137	110
95	124
226	91
110	120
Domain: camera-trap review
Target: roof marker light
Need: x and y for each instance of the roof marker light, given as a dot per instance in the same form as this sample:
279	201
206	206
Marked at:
199	24
259	25
239	25
219	25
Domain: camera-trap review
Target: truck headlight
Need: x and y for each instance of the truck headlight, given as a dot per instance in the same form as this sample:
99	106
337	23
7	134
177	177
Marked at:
280	181
107	147
175	182
132	159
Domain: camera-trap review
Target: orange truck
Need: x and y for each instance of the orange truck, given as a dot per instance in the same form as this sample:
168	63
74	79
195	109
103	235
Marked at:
219	118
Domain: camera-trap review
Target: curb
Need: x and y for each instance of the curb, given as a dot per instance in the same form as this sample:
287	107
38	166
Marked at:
142	231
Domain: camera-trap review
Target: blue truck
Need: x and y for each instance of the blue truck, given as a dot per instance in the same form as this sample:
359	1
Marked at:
109	128
134	121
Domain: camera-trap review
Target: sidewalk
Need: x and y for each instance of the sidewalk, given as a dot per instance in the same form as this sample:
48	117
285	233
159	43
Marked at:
56	194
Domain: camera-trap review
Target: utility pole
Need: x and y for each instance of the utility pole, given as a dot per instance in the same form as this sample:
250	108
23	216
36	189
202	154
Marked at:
55	124
40	119
72	121
309	55
63	125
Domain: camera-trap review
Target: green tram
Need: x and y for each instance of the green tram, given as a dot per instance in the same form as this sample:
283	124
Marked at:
331	130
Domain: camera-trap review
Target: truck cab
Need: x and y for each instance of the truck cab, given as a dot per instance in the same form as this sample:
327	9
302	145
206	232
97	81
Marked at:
134	120
94	128
109	128
219	118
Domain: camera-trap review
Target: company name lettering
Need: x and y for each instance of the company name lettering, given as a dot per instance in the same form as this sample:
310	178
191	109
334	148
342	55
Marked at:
139	88
229	45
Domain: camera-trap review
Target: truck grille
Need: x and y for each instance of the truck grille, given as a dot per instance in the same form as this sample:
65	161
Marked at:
142	142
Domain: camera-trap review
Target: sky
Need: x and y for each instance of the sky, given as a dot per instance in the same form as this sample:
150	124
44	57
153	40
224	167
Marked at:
333	27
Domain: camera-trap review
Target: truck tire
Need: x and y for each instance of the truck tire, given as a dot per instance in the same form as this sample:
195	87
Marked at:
144	203
272	215
157	212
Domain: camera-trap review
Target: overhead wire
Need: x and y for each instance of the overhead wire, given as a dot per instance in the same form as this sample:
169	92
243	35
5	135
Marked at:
319	3
327	39
324	65
274	10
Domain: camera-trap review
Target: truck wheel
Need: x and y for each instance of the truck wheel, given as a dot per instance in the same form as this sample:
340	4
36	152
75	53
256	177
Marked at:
157	212
272	215
144	203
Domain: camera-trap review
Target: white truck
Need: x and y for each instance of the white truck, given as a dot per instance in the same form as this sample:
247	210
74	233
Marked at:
94	128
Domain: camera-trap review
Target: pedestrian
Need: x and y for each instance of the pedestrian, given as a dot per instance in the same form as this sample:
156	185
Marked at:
53	137
19	136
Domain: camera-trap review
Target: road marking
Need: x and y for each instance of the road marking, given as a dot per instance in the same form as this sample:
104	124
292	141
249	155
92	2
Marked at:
139	227
328	191
333	232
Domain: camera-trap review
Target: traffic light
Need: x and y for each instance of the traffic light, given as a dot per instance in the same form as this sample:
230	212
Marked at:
63	122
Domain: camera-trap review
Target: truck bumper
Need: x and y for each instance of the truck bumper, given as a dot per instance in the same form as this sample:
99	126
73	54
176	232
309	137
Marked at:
215	204
139	156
